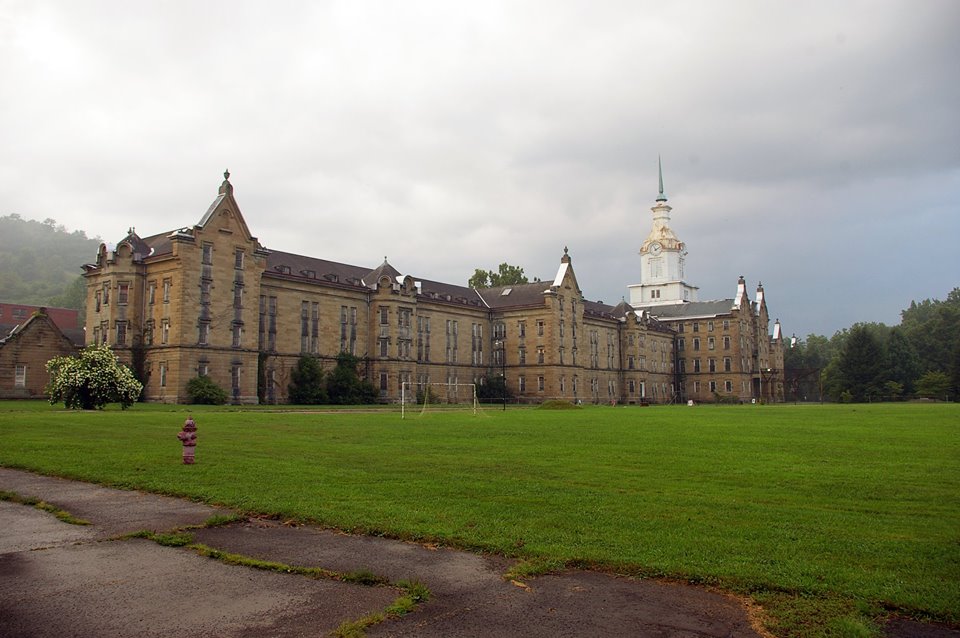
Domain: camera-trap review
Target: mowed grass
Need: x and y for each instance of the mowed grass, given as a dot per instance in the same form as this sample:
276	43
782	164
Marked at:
845	511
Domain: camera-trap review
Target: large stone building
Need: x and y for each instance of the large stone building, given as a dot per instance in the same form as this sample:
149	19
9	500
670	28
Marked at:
209	299
725	348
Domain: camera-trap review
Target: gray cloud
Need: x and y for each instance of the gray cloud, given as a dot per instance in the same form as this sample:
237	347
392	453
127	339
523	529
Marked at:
812	146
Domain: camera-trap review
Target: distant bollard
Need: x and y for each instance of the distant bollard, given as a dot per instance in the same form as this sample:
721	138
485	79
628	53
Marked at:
188	436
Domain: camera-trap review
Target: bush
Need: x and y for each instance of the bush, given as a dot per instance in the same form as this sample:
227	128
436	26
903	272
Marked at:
92	379
204	391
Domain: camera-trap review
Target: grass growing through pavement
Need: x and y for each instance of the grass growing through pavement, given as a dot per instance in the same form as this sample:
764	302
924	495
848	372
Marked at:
827	515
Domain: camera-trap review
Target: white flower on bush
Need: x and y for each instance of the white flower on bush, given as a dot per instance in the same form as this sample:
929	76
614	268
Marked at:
92	379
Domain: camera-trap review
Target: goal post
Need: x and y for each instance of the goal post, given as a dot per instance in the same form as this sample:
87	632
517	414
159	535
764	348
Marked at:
424	397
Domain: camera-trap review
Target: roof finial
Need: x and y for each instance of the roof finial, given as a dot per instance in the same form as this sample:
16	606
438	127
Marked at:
226	187
565	250
226	175
661	197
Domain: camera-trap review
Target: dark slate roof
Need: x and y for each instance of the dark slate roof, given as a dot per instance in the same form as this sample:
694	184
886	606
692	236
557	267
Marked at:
514	295
601	310
372	277
453	293
158	244
691	309
280	263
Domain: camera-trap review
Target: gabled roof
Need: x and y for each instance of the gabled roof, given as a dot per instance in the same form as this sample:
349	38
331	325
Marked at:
40	317
385	269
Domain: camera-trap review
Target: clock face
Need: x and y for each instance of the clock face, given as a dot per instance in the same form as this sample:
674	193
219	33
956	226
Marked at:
655	248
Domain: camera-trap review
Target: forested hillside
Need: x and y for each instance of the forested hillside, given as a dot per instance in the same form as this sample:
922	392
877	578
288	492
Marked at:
40	262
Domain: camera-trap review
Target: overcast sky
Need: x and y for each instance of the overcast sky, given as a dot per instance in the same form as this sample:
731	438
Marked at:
813	146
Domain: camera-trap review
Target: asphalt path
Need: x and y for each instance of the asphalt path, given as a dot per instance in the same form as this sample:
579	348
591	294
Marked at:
59	580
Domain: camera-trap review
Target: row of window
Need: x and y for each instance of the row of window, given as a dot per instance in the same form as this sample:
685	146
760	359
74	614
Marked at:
710	325
711	343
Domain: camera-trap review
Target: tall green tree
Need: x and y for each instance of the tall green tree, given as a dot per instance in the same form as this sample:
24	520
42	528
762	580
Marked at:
860	365
902	363
506	275
344	384
933	327
307	384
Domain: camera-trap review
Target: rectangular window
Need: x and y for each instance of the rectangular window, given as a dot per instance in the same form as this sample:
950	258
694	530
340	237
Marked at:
147	333
152	292
204	336
383	316
165	331
522	384
237	335
522	328
726	343
540	328
711	343
383	347
237	295
205	292
106	294
727	364
696	326
123	294
540	384
540	354
238	259
121	333
728	385
696	365
163	374
712	365
696	343
207	258
709	326
99	300
20	376
304	326
726	324
315	328
713	386
167	284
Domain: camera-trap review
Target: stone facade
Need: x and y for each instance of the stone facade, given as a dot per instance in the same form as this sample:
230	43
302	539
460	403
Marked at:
209	299
24	354
725	349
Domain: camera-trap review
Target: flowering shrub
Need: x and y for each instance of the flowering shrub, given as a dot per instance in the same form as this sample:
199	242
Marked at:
92	379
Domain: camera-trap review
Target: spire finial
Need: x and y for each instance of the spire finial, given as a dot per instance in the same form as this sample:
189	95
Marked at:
660	197
226	175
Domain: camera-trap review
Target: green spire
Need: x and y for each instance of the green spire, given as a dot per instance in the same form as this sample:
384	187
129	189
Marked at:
661	197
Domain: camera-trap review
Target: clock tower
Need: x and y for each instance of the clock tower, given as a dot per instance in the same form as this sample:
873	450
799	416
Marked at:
662	262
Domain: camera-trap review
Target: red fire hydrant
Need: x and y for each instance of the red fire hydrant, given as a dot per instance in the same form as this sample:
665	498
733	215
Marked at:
188	436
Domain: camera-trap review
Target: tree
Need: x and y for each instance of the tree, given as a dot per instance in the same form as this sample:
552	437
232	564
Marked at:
306	382
202	390
933	385
506	275
860	364
92	379
344	385
902	363
933	328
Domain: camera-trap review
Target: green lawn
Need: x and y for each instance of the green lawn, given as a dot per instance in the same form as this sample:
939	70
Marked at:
826	515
